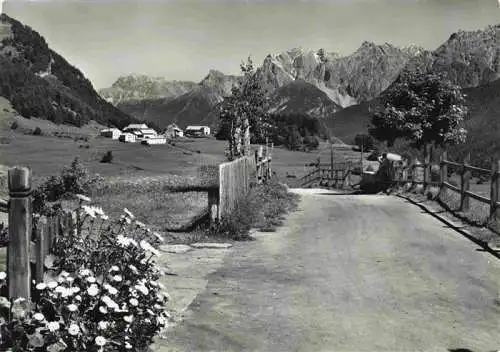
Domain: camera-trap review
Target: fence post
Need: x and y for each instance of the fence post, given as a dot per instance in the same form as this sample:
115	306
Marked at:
443	168
41	232
259	164
495	190
331	159
464	185
427	166
20	229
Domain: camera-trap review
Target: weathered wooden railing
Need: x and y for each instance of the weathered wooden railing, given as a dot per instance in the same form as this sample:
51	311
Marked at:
332	175
23	226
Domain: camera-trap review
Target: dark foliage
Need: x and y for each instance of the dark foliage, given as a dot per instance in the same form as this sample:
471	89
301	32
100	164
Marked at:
107	158
37	131
64	96
296	131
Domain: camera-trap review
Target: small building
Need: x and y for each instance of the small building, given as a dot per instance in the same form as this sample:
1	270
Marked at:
173	131
127	137
147	133
113	133
197	131
155	140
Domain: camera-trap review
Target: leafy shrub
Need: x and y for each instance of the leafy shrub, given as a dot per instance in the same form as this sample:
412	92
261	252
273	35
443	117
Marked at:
262	208
37	131
73	179
103	294
107	158
4	140
14	125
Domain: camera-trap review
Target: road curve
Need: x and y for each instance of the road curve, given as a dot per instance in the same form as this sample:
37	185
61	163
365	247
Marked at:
349	273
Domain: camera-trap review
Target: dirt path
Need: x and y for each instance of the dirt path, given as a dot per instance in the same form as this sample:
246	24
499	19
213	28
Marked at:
348	273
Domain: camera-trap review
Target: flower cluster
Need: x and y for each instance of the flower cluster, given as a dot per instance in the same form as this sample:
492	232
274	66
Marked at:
104	295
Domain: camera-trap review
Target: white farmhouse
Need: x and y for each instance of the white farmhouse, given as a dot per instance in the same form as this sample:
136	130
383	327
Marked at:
173	131
128	137
113	133
197	131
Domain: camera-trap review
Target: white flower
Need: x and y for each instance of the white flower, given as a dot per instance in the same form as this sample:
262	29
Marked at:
103	310
93	290
70	279
53	326
64	274
3	275
75	289
114	268
117	278
89	211
91	279
126	211
52	285
103	325
134	302
41	286
100	341
128	318
98	211
148	247
160	238
140	224
73	329
85	272
133	268
141	288
110	289
72	307
104	217
60	289
109	302
39	316
78	297
128	346
83	198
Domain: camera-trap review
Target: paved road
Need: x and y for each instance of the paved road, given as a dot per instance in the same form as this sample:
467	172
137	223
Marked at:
349	273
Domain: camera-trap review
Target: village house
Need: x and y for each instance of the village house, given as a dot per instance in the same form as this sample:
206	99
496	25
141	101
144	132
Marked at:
197	131
128	137
173	131
141	131
113	133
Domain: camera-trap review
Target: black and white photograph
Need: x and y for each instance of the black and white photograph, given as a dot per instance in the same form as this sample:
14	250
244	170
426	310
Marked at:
250	175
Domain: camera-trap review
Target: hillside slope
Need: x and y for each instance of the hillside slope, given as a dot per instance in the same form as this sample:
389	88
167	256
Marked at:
301	97
41	83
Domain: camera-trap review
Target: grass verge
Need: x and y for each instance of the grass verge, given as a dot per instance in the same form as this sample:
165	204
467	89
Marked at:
264	209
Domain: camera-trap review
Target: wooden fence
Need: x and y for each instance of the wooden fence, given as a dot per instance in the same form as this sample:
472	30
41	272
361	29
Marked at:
464	169
330	175
31	238
234	181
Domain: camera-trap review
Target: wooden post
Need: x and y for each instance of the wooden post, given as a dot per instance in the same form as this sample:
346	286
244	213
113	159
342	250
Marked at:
443	168
495	190
362	160
259	163
41	232
331	159
213	205
464	185
427	166
20	228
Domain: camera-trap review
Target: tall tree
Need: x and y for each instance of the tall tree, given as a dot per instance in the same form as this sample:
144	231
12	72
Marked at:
243	115
423	108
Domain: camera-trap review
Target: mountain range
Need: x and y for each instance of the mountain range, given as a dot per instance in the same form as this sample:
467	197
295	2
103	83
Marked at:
325	85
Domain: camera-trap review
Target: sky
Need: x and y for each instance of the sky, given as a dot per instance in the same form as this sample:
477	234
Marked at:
184	39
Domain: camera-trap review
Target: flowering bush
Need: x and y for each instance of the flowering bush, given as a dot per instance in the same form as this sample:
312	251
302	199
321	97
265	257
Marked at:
103	294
